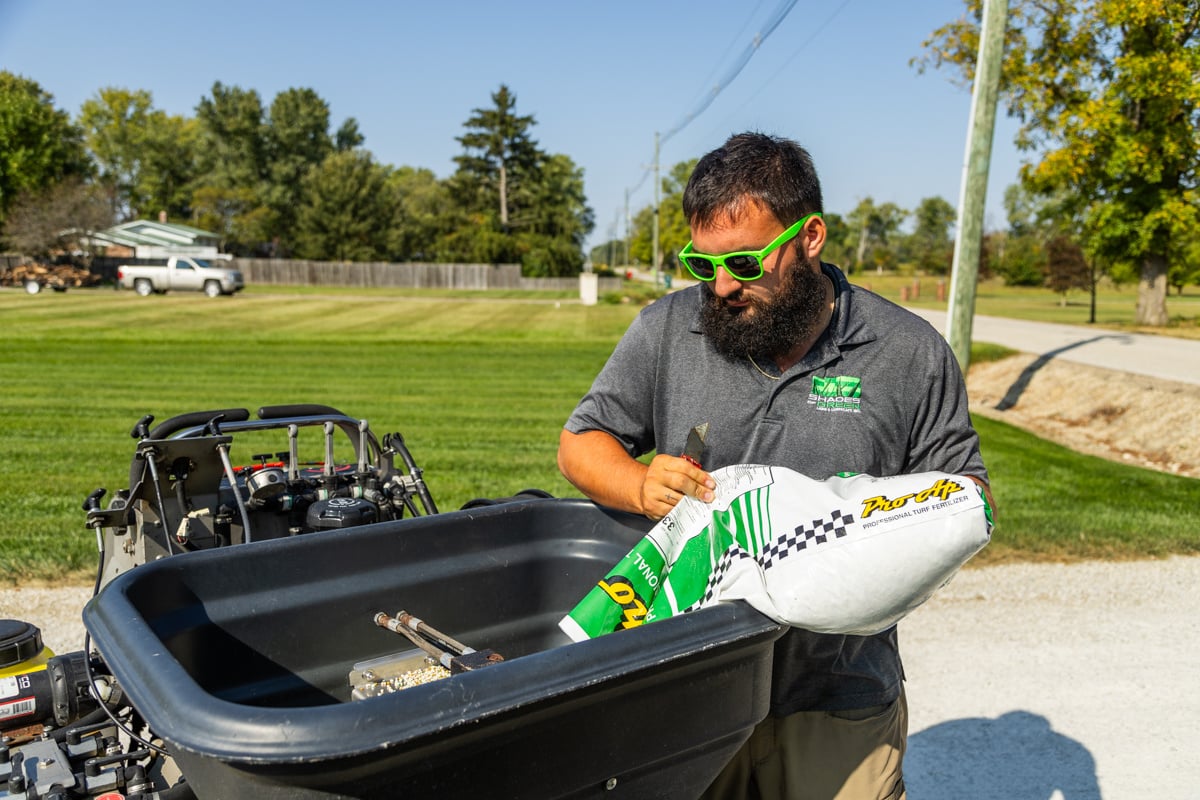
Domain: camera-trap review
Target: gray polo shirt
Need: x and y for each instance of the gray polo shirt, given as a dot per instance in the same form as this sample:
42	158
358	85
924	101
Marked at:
879	393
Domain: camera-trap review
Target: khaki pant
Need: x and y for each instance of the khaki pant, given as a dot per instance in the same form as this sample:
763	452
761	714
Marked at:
820	755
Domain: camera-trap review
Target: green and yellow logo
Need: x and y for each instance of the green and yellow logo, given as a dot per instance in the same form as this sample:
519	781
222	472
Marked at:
836	393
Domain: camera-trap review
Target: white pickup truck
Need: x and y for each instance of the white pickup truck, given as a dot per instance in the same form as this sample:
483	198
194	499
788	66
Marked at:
180	273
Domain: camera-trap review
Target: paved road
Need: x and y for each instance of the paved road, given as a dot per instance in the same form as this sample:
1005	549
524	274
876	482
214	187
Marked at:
1157	356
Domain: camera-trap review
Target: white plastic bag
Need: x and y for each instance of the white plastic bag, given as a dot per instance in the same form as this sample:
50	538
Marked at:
848	554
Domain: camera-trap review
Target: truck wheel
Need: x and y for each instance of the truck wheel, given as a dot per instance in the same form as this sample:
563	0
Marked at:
32	287
143	287
212	288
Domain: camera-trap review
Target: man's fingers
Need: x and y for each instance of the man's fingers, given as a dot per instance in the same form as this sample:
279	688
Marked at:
668	480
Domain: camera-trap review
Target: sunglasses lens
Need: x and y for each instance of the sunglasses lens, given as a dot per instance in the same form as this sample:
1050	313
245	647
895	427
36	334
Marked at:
702	268
743	267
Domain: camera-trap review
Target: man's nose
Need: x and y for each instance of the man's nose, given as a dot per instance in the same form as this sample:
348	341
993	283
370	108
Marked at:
725	284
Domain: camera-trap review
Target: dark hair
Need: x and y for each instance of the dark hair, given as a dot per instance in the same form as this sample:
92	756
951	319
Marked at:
773	171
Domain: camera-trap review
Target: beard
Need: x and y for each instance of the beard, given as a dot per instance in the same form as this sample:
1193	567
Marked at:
776	324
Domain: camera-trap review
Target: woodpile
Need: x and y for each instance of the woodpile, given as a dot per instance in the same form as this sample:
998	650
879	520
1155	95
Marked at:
58	277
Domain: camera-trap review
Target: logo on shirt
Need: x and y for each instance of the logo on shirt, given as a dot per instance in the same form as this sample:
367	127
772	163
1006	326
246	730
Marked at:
837	393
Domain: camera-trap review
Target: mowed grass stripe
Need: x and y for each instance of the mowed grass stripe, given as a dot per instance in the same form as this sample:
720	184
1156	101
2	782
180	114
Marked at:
479	390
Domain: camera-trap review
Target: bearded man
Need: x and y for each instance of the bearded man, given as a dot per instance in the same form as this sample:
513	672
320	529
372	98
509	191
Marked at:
791	366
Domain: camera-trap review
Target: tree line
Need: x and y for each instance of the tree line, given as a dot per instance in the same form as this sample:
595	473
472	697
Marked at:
1106	93
871	237
1044	244
277	181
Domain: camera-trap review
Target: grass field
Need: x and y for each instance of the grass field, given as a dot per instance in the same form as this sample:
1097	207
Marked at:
1115	305
478	384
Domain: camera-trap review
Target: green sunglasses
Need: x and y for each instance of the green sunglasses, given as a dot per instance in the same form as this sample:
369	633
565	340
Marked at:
745	266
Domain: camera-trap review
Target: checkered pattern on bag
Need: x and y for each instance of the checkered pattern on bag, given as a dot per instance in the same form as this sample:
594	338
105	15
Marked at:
819	531
717	575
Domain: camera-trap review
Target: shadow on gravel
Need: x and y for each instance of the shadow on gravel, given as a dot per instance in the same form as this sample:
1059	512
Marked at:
1017	756
1022	382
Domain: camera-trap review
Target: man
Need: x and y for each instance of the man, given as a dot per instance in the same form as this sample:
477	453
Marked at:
790	366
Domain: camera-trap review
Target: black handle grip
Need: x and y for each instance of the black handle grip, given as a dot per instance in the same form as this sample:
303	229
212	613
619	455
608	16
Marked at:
142	429
92	503
297	410
165	429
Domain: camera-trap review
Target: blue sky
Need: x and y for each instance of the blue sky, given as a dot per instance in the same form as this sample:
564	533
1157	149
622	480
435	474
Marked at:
599	78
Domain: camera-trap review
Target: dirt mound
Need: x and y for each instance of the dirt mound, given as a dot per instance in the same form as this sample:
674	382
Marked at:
1129	418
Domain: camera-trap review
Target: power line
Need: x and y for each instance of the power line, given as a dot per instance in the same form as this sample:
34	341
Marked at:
776	17
710	79
811	38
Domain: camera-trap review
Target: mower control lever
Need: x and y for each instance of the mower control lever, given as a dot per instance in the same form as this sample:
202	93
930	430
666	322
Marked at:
92	503
142	429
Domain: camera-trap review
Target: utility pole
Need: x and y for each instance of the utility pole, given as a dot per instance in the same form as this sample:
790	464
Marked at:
657	189
968	243
627	227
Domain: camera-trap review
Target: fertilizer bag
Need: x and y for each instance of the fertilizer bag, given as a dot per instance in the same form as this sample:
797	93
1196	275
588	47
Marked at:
849	554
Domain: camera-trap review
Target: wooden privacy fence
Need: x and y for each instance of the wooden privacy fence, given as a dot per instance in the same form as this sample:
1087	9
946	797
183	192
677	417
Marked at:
372	274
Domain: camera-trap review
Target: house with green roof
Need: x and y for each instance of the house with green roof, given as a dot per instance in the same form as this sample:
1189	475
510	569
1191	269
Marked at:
143	238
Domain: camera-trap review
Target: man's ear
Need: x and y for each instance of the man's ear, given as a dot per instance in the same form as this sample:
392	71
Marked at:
813	237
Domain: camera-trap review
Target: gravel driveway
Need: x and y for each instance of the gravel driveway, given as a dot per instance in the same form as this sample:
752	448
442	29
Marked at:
1057	681
1025	681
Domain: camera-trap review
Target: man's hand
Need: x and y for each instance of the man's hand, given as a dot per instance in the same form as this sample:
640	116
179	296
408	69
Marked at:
596	464
668	479
987	493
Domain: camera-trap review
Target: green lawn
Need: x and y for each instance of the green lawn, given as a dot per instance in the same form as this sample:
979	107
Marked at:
478	385
1115	305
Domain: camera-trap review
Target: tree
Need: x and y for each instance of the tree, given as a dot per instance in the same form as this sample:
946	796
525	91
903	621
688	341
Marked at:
840	241
345	213
115	124
1018	255
875	227
1066	267
673	229
1046	244
57	218
1106	90
169	167
348	136
608	254
232	212
556	222
515	202
930	245
147	158
233	142
232	168
499	153
1020	260
39	146
557	205
1185	268
422	214
296	138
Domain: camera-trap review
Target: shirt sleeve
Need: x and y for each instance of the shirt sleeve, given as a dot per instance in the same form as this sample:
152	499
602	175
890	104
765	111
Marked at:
621	400
942	437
